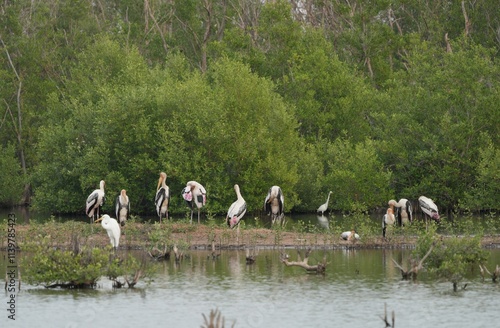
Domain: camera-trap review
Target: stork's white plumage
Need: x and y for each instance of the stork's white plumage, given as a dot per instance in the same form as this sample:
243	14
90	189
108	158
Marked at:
404	212
349	235
122	207
389	217
324	207
194	194
162	197
428	207
112	228
274	204
95	201
236	210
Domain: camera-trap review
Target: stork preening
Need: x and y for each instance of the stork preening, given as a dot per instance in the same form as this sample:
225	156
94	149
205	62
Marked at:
404	212
122	207
274	204
112	228
162	197
349	235
428	207
95	201
194	194
236	211
324	207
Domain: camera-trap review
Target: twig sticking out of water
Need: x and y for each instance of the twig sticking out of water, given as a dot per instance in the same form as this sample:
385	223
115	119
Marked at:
384	318
415	266
215	320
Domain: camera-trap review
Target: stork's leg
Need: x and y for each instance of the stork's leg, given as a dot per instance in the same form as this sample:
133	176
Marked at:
191	216
198	216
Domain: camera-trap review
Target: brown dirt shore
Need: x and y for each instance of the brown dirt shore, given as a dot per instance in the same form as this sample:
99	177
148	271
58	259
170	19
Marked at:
204	237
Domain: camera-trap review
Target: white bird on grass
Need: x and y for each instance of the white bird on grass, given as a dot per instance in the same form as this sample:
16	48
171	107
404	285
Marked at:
122	207
162	197
194	194
112	228
274	204
95	201
349	235
324	207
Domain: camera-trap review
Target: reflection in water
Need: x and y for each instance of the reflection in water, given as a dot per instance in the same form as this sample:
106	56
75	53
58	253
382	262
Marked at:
267	294
323	222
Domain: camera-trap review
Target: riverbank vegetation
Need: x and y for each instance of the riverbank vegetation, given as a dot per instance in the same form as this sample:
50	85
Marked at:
372	100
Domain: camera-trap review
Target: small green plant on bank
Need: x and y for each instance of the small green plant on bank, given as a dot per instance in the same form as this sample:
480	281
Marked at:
452	257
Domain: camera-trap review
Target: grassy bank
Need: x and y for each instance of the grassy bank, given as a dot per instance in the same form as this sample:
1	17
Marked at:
186	236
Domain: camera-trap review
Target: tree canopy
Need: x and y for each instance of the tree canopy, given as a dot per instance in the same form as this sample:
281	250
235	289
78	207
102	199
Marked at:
372	100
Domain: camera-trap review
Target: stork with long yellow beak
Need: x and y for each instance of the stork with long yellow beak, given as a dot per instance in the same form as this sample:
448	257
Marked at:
162	198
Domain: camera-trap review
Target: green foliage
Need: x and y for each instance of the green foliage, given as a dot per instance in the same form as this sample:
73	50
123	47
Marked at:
50	266
355	175
451	257
11	177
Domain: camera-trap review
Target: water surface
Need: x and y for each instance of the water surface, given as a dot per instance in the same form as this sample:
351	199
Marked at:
266	294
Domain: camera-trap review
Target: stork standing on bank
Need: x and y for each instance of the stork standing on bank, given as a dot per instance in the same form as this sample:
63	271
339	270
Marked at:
194	194
389	217
122	207
236	211
112	228
428	207
324	207
95	201
274	204
162	197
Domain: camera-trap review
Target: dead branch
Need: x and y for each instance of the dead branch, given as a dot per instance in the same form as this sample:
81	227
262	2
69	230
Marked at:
414	266
467	21
178	254
318	268
250	258
158	254
494	275
384	318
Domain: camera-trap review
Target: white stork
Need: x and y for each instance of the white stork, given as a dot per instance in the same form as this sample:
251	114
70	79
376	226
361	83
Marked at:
194	194
274	203
95	201
112	228
162	197
122	207
404	212
324	207
428	207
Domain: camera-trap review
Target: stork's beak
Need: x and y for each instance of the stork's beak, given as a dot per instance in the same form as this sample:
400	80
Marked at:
98	220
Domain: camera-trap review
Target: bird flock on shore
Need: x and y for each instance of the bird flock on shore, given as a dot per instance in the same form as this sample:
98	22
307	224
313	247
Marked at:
195	196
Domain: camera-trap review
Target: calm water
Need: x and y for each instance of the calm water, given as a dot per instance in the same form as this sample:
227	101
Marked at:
266	294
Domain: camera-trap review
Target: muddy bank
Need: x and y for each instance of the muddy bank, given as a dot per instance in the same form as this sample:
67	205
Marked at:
200	237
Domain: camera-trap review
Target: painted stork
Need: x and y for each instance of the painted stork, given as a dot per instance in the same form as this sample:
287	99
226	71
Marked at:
349	235
194	194
389	217
162	198
112	228
324	207
95	201
274	203
428	207
122	207
237	209
404	212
